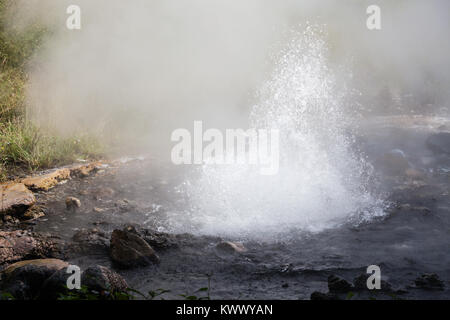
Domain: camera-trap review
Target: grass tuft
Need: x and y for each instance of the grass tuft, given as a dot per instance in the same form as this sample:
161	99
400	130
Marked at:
28	147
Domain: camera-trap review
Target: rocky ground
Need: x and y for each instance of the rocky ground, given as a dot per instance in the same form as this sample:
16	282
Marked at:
33	264
110	219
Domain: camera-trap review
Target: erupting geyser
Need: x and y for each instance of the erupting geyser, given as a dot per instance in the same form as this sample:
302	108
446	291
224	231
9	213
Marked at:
321	182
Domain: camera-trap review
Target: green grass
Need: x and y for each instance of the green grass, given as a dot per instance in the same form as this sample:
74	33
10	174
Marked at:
23	145
28	147
12	85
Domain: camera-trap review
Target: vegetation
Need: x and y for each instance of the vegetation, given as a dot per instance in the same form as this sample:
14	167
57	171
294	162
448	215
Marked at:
23	145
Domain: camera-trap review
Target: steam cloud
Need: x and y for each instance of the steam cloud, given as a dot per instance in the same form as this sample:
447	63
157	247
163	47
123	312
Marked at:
140	69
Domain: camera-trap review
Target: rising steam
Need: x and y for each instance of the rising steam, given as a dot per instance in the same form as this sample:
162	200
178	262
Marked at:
141	69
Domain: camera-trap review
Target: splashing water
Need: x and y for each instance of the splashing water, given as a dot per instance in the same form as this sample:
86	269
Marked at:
320	183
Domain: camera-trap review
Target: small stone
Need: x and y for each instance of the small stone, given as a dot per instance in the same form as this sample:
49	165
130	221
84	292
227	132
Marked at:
98	210
72	203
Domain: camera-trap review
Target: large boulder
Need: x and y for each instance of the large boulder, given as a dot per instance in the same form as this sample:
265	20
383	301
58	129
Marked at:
439	142
47	279
72	203
130	250
46	181
25	279
15	199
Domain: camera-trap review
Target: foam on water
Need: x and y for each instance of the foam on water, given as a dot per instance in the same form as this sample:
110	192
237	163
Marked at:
321	182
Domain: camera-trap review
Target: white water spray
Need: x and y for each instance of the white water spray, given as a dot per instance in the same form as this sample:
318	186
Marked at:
320	182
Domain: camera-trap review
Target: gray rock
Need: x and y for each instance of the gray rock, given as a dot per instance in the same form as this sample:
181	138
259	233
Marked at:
129	250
